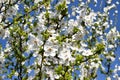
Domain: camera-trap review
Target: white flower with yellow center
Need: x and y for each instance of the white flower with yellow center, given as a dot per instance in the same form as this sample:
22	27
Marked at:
12	11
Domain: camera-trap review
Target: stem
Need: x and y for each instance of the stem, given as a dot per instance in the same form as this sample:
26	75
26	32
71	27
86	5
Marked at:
20	48
108	71
64	78
20	59
40	73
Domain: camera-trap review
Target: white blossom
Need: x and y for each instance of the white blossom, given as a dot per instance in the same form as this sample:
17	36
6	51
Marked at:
90	18
106	9
2	1
65	55
34	42
36	1
108	78
77	36
112	34
16	73
1	16
117	2
95	1
50	49
51	38
112	58
2	58
109	1
2	31
12	11
87	52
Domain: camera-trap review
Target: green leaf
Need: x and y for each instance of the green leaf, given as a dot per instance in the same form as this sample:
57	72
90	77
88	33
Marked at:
61	39
78	60
46	34
96	25
99	48
59	70
79	57
64	12
86	78
11	74
47	15
46	2
61	6
75	30
55	20
41	50
68	76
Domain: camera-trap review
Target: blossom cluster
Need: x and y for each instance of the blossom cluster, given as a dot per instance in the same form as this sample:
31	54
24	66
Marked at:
58	39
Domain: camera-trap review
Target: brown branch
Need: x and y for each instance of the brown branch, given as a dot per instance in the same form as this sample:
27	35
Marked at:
40	73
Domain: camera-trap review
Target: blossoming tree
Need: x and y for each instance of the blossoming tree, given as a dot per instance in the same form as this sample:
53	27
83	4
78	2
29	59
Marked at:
58	39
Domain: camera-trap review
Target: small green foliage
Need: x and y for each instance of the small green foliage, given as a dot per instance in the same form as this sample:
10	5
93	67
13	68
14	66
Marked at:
86	78
73	53
96	25
64	12
61	6
55	20
61	39
99	48
77	43
26	9
25	78
41	50
35	23
47	15
75	30
93	75
46	35
105	18
59	70
79	58
46	2
11	74
68	76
